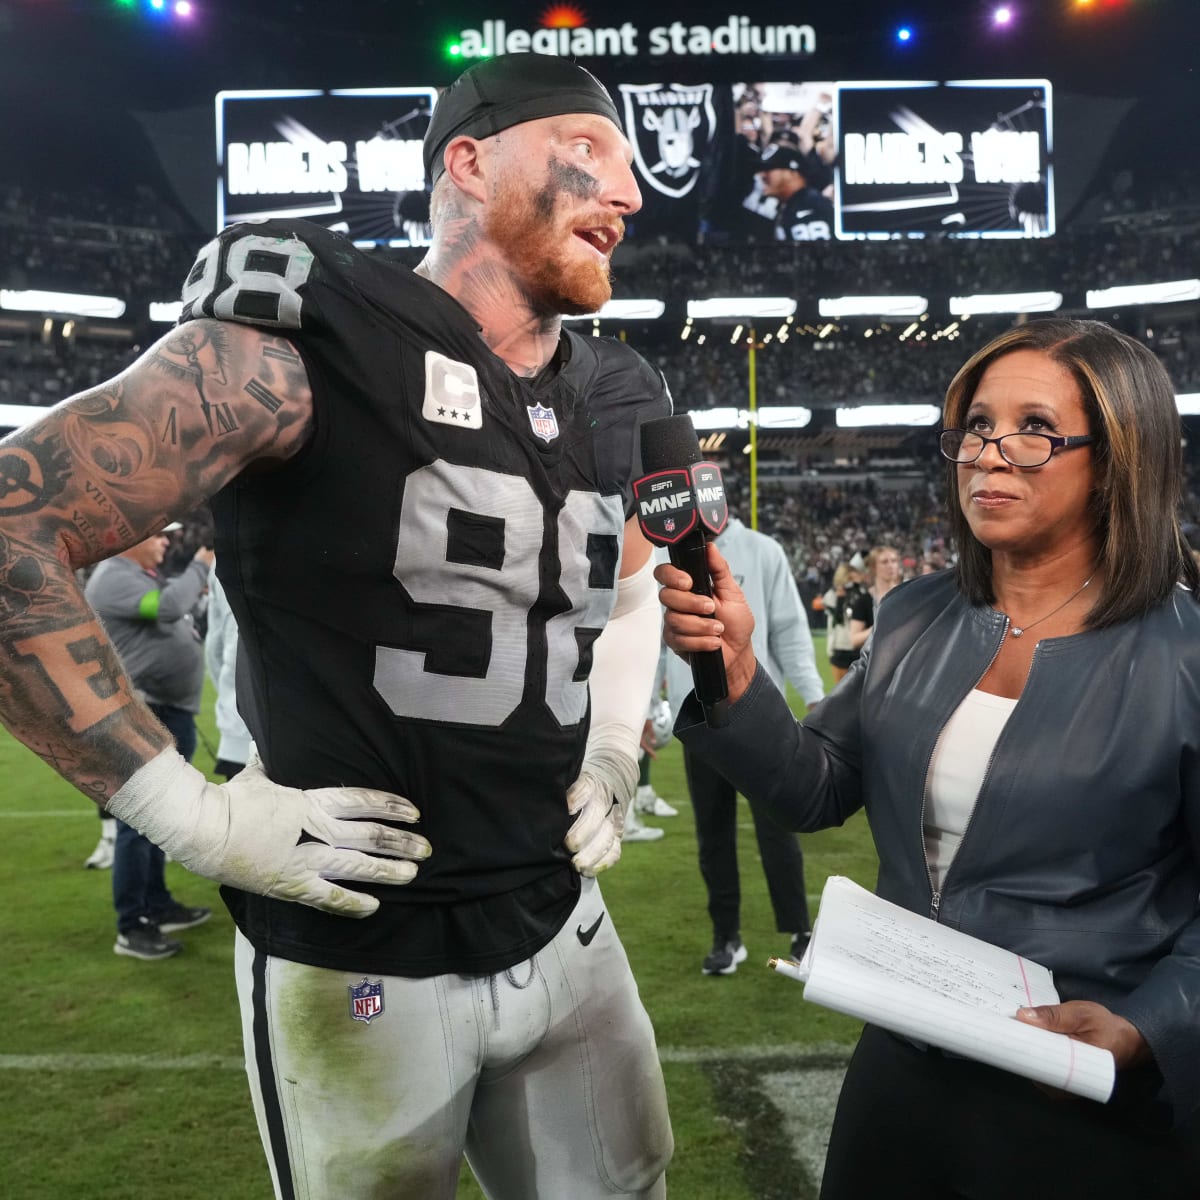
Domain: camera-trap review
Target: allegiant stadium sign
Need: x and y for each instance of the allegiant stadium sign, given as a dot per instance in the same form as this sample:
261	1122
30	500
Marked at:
737	36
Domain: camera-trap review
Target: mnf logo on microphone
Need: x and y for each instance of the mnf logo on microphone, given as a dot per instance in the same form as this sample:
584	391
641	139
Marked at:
670	504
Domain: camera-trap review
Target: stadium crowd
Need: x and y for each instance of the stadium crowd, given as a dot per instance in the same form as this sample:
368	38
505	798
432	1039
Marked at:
136	245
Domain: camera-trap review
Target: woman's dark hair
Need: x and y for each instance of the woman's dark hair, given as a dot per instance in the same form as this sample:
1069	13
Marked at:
1138	457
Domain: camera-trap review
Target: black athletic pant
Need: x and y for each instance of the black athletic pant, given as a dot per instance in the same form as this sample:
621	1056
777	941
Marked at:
714	802
919	1125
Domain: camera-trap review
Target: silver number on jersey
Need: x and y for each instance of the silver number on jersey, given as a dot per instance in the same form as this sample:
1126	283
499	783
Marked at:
583	513
506	593
258	286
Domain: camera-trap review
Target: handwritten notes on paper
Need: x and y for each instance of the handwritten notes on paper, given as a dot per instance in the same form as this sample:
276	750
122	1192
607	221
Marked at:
878	962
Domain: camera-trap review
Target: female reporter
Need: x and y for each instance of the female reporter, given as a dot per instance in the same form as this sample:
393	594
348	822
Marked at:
1024	733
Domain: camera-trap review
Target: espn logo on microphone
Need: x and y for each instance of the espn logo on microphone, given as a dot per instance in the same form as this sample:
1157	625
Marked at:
670	504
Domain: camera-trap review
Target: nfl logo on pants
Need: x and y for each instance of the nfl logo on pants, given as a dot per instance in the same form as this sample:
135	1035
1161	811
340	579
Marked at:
366	999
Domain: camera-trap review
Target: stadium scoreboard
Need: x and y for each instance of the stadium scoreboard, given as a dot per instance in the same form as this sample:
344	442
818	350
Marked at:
963	158
349	159
970	157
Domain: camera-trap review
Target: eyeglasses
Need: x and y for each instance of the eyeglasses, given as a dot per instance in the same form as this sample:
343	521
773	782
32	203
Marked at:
1017	449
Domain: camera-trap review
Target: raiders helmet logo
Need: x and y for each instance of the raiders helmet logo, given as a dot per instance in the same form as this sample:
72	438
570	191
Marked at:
671	128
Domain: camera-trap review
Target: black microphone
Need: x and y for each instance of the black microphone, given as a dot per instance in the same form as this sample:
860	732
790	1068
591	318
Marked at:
681	505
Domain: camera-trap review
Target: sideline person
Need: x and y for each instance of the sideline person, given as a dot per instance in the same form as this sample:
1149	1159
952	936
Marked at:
783	638
882	574
1024	734
151	621
422	493
837	603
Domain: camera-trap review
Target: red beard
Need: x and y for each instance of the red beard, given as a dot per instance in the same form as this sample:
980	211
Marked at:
538	242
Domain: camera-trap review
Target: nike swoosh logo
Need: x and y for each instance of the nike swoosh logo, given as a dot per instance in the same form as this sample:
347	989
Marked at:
585	935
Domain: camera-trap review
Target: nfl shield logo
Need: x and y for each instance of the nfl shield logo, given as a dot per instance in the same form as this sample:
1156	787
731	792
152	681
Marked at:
669	524
366	999
543	421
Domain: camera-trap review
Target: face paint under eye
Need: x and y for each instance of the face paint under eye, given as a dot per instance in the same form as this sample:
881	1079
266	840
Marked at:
575	181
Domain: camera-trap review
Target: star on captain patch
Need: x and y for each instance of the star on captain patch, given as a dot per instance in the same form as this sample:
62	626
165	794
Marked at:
543	422
451	392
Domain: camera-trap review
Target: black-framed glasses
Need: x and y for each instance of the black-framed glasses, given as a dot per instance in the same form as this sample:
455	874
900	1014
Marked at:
1017	449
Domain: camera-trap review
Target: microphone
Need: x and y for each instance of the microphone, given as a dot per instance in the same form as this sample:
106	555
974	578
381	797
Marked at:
681	504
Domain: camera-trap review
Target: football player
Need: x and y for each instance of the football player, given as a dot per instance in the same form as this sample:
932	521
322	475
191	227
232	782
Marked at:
421	486
804	214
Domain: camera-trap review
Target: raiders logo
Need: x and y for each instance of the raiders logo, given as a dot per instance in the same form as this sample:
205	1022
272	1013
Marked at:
670	128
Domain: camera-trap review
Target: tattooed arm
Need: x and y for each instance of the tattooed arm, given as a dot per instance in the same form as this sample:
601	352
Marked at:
96	475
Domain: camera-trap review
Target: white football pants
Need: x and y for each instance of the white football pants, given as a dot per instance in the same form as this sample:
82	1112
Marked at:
546	1075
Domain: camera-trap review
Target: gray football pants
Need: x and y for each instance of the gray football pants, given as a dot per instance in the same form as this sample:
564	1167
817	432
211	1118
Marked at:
545	1075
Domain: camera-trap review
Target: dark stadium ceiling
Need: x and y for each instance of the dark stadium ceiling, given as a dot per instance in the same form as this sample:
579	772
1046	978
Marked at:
80	78
117	51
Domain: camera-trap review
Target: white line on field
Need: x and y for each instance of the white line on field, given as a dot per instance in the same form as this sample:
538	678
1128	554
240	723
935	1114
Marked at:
791	1055
51	812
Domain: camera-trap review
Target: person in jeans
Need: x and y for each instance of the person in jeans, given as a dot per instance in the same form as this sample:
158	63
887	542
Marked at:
783	638
150	621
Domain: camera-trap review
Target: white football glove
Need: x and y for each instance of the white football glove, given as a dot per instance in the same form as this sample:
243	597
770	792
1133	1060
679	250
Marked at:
600	797
595	837
276	841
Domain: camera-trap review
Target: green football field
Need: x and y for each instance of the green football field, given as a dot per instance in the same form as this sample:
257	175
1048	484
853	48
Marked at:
123	1080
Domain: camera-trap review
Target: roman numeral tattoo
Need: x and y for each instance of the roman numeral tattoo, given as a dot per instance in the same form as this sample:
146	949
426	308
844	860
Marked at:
263	394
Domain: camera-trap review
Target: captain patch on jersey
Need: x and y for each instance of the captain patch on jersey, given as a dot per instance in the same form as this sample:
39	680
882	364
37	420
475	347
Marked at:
451	392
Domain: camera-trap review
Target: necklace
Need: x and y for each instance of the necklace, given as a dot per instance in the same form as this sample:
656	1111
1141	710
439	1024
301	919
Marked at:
1017	630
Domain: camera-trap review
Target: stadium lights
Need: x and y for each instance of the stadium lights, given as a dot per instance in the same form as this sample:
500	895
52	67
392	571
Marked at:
626	310
783	417
1145	293
742	306
165	312
716	418
888	414
1006	302
872	306
66	303
15	416
779	416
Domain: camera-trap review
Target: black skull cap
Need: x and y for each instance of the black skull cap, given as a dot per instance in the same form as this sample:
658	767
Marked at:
500	92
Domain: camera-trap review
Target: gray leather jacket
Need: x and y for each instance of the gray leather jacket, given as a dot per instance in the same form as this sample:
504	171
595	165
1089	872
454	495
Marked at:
1083	851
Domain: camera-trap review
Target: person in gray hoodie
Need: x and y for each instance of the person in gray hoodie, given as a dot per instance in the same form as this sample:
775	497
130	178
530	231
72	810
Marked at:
151	623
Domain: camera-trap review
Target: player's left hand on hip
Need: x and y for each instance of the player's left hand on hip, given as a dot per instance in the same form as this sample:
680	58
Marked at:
595	838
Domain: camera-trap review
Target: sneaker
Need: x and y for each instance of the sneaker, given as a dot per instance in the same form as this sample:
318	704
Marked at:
146	942
635	831
724	957
799	945
650	802
101	859
179	916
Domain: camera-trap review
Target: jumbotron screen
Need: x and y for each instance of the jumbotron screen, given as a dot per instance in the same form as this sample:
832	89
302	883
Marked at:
781	161
970	157
810	161
348	159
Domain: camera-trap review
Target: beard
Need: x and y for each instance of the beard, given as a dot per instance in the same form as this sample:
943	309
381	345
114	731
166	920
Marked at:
537	240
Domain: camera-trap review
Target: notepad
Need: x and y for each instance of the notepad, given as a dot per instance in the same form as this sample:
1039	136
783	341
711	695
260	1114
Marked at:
878	962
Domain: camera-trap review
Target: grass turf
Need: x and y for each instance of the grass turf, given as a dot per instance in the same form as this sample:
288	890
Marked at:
123	1079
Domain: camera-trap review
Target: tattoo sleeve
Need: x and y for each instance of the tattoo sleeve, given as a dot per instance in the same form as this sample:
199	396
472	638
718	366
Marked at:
91	478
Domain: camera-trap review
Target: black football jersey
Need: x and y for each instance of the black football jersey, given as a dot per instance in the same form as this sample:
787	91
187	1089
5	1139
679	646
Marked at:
806	216
419	589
